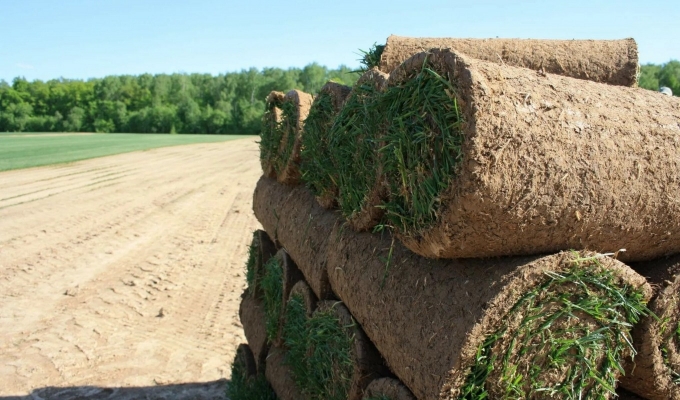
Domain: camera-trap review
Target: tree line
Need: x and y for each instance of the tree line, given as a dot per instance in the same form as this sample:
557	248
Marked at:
231	103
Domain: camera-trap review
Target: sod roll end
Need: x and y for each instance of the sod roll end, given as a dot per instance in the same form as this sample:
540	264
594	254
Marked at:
252	316
295	108
387	389
270	136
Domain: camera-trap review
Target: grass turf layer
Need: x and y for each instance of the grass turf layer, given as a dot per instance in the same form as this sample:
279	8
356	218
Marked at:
319	352
354	138
564	339
288	133
271	135
422	148
371	58
35	150
244	387
670	338
315	167
272	295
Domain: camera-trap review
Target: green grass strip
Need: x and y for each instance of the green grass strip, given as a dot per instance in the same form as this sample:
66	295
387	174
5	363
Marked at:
371	58
271	134
34	150
423	148
272	293
250	264
670	338
571	335
354	139
319	352
242	387
295	339
315	167
288	132
329	359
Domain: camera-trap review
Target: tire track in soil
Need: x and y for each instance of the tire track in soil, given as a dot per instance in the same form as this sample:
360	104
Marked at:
135	284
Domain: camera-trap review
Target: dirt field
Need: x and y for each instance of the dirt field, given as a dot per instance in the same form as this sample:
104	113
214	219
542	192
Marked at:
125	272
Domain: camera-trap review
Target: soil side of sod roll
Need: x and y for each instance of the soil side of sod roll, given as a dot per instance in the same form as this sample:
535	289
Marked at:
315	166
271	135
246	383
435	322
655	374
261	250
279	377
528	164
252	315
295	108
387	389
356	137
307	239
613	62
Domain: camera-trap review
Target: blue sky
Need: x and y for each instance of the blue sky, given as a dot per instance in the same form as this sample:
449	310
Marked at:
79	39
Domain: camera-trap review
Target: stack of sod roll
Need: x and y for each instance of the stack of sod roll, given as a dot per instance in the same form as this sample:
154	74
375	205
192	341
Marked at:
455	227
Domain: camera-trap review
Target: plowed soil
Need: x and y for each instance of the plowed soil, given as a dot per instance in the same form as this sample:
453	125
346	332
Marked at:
126	272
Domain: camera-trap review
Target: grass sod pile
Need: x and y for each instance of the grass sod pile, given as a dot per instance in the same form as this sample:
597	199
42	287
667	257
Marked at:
295	109
567	338
423	145
315	166
271	134
371	58
656	371
246	383
438	312
356	137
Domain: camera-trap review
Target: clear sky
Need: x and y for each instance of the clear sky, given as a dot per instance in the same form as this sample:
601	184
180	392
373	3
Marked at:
45	39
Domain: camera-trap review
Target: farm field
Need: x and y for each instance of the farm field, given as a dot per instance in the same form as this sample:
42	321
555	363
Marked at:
24	150
123	274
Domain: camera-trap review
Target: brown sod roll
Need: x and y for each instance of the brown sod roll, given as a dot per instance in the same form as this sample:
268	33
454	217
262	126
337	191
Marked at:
295	106
614	62
260	251
280	274
447	326
487	160
307	239
655	374
315	165
278	375
356	135
246	383
387	389
251	313
271	134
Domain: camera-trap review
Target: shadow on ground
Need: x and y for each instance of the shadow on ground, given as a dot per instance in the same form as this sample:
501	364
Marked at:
215	390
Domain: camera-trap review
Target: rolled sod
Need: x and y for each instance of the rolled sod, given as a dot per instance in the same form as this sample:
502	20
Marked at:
613	62
271	134
308	236
487	160
655	374
530	327
315	166
387	389
356	137
295	108
279	377
252	315
340	360
280	274
260	251
246	383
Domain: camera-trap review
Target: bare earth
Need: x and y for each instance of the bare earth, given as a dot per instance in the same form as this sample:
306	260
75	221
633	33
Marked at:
125	272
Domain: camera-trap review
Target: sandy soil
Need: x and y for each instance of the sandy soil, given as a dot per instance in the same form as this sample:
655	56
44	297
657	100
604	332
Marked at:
125	272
